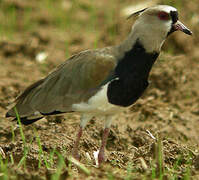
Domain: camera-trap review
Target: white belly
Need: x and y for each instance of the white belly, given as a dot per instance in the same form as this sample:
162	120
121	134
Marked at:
98	104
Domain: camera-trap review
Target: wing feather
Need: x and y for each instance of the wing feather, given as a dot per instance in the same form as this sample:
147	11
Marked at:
74	81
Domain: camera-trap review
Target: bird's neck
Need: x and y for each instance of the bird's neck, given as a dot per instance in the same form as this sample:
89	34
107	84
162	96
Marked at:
151	41
130	77
137	61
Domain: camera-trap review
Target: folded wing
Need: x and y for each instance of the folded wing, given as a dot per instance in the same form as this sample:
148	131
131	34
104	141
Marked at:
74	81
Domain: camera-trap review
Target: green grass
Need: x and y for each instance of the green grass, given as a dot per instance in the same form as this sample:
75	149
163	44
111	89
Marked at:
14	20
8	22
129	172
3	168
23	159
41	152
54	160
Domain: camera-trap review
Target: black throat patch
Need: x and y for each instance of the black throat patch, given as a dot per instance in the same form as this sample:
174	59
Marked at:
130	78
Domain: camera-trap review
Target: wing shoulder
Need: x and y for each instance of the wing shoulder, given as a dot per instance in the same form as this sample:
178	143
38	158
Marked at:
99	68
85	71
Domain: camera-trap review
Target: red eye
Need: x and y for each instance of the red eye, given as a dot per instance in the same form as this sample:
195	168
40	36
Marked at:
163	15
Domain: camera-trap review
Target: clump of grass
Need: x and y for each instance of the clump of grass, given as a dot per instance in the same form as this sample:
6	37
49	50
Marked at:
81	166
41	152
3	168
129	171
23	159
159	158
8	21
13	133
14	19
60	166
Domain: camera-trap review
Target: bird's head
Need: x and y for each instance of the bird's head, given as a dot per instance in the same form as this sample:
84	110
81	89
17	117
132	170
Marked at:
154	24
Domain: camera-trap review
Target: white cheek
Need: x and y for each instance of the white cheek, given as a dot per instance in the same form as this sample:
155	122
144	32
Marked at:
168	25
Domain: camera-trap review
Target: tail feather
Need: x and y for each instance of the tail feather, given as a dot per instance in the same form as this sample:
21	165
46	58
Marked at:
8	115
27	121
22	103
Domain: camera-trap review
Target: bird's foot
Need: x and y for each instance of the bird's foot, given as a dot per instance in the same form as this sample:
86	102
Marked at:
76	155
101	157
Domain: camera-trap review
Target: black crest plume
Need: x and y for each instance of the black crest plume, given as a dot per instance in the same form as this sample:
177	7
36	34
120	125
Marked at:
136	13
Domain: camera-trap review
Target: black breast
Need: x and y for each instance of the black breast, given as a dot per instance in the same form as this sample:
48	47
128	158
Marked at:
131	76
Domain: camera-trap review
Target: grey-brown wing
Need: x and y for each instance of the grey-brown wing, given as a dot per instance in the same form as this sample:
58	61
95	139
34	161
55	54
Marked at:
74	81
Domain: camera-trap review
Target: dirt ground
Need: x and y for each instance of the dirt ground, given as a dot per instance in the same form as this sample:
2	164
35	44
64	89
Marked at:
169	109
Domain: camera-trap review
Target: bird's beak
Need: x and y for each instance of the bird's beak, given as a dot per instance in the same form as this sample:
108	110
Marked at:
181	27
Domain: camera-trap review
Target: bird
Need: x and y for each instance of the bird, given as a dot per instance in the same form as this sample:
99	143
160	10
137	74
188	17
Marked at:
101	82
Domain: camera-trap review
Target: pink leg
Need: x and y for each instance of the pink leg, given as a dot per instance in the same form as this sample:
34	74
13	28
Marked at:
101	155
75	147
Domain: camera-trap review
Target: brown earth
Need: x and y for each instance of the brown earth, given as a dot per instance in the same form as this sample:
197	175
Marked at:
169	109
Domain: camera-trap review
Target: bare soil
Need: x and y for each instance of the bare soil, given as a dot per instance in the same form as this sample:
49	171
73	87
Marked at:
169	109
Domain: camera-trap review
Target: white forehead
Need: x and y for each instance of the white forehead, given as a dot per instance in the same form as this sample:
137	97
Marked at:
165	8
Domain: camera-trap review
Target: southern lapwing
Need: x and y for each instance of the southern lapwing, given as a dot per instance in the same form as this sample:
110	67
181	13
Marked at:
102	82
